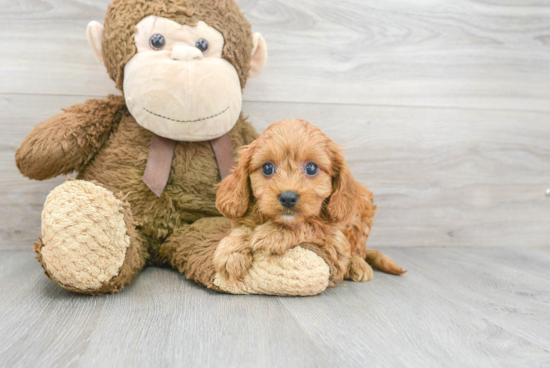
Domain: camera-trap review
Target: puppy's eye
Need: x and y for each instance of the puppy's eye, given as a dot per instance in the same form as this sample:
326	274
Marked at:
268	169
157	42
202	45
312	169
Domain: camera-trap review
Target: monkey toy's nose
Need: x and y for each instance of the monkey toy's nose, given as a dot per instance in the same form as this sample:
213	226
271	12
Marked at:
186	53
288	199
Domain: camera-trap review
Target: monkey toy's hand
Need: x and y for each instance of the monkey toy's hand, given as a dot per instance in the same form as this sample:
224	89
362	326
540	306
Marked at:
67	142
232	258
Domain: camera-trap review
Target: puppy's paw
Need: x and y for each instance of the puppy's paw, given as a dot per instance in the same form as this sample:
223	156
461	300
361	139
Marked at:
232	257
233	265
273	238
237	264
359	270
279	248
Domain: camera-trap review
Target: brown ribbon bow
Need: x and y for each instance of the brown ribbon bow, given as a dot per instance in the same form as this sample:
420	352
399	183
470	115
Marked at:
161	153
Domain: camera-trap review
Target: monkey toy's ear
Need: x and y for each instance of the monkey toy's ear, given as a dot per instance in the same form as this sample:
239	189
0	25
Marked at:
94	34
259	55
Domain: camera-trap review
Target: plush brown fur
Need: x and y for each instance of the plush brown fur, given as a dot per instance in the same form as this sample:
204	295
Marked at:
333	210
67	142
102	141
195	259
118	165
224	15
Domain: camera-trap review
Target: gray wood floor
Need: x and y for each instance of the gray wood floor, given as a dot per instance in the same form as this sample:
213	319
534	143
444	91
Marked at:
482	307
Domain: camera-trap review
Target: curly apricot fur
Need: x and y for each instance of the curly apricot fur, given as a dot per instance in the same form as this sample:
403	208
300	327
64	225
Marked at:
333	210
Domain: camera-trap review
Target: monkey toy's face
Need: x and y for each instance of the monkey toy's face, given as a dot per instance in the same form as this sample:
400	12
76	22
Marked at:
178	85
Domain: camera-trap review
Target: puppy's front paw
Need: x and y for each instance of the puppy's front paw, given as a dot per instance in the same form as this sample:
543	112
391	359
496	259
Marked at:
232	258
273	239
237	264
359	270
233	265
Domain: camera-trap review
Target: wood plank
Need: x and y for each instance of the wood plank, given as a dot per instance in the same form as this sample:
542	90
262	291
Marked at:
447	311
160	320
510	296
430	53
37	307
185	324
432	316
535	260
448	177
54	9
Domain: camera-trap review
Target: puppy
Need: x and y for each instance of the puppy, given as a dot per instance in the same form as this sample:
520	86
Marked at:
292	187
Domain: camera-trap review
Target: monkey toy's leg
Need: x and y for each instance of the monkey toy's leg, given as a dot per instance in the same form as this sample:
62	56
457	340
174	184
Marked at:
191	249
89	243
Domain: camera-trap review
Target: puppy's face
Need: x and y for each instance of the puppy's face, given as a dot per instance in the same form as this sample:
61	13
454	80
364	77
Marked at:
291	172
288	175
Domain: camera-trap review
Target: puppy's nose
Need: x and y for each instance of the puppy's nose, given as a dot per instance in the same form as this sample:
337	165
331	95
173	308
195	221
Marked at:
288	199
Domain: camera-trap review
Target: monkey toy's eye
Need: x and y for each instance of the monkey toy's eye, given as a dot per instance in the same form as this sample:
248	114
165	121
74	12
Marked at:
202	45
268	169
312	169
157	42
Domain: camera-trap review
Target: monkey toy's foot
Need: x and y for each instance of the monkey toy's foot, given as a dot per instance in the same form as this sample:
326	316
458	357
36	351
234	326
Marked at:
298	271
88	241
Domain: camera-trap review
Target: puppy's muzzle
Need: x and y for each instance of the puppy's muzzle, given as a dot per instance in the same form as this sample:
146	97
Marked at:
288	199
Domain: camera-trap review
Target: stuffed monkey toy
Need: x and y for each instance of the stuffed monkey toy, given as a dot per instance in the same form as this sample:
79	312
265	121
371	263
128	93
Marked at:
148	161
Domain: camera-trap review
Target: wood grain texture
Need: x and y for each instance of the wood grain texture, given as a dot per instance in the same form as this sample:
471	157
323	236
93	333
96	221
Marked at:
161	320
475	54
445	312
442	107
454	177
455	307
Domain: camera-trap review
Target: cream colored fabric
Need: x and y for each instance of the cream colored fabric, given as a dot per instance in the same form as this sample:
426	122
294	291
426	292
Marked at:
84	234
259	56
94	34
178	92
297	272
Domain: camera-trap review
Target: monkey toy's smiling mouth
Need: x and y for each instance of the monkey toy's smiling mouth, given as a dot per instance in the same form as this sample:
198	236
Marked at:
179	90
187	121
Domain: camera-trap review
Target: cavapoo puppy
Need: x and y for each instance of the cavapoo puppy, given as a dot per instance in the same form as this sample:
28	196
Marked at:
292	187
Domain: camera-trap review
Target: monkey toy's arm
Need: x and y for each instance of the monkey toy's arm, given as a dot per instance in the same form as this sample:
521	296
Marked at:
66	142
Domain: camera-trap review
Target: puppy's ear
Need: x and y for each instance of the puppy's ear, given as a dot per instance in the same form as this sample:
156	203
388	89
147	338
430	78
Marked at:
344	188
233	196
